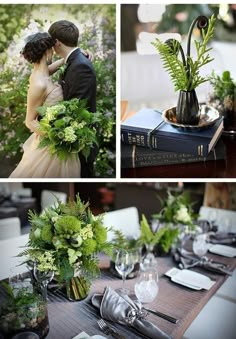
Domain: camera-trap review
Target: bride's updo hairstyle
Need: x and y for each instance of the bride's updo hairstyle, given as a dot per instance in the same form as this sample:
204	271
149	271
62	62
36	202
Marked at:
36	45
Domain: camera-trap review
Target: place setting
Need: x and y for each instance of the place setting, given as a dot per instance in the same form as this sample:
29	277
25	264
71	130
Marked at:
194	256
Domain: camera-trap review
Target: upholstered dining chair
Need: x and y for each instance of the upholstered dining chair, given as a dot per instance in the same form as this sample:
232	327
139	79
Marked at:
224	219
10	228
9	250
125	220
49	198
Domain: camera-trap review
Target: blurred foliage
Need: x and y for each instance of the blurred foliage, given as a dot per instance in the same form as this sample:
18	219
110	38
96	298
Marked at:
178	18
97	27
12	19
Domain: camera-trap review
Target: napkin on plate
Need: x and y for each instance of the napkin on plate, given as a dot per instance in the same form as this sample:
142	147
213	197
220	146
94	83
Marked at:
125	311
190	260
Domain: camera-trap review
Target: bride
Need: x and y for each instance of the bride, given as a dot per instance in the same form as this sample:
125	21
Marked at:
38	162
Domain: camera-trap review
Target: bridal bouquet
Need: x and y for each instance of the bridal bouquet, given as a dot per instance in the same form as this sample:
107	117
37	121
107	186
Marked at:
68	128
65	239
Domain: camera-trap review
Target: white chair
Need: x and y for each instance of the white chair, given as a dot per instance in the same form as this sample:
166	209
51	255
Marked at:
10	228
225	219
49	198
9	249
125	220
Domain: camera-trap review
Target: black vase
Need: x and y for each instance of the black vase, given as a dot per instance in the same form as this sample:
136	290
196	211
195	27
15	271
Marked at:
187	110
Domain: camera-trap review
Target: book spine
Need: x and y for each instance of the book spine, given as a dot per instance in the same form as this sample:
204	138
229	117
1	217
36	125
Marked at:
166	144
155	158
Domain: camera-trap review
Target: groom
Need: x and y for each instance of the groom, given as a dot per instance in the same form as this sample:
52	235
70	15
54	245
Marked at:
79	78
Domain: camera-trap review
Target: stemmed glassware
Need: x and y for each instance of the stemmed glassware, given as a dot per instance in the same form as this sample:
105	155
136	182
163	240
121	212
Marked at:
124	265
43	279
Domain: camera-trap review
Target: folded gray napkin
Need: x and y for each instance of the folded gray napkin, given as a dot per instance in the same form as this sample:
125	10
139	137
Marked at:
223	238
123	310
187	260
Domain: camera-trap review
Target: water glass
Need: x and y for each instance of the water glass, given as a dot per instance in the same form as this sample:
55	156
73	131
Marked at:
200	245
146	287
124	264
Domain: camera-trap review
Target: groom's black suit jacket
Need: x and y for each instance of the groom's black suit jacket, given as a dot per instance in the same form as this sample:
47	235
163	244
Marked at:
79	81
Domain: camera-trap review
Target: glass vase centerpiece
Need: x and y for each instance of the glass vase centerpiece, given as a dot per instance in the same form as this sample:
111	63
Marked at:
23	308
64	239
177	217
151	238
185	71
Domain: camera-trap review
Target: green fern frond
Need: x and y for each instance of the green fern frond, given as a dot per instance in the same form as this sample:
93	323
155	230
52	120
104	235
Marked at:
181	78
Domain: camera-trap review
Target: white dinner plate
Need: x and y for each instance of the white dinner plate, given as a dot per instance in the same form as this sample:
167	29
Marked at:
190	279
223	250
84	335
184	283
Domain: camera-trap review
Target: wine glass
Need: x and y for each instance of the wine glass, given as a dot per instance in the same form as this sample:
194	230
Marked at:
146	286
124	265
43	279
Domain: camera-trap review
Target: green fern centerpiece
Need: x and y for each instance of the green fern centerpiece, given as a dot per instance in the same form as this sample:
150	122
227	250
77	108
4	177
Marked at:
164	236
65	239
185	72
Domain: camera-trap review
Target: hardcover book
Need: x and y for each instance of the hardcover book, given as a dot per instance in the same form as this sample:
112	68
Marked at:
133	156
147	128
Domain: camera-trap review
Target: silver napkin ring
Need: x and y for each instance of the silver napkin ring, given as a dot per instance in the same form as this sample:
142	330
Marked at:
135	314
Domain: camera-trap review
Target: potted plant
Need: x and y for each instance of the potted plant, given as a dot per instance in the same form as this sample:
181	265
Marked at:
161	238
25	310
177	213
185	73
223	97
65	239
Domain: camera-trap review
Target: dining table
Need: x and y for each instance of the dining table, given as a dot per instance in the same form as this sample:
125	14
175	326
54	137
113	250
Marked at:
67	318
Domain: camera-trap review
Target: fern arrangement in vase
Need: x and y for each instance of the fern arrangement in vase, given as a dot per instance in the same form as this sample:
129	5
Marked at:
185	73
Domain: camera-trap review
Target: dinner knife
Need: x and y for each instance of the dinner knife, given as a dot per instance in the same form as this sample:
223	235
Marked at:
162	315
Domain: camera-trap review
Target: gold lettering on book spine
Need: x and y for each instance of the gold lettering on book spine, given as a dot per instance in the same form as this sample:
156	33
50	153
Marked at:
136	139
200	150
133	156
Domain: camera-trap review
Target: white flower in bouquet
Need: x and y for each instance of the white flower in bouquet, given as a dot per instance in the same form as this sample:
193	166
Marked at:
182	215
70	135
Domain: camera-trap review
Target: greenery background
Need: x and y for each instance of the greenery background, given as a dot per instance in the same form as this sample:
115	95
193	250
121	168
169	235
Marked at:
97	28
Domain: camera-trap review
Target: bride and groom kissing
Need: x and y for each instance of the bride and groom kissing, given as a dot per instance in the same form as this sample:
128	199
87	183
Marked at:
77	81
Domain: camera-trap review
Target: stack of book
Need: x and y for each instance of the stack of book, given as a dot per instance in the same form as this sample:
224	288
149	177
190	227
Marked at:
147	140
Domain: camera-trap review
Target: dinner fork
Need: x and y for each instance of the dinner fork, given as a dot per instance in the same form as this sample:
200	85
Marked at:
108	330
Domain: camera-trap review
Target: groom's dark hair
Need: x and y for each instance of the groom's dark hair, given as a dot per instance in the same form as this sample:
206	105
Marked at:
64	31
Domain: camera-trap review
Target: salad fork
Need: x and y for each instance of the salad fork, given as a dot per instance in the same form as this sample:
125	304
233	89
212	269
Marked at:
108	330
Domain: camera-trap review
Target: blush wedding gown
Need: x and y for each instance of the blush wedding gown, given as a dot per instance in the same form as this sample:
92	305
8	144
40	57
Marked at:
38	162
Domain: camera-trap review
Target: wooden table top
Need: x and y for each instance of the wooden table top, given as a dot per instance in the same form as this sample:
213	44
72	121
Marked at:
70	318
